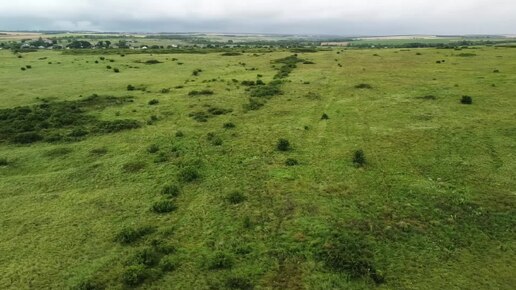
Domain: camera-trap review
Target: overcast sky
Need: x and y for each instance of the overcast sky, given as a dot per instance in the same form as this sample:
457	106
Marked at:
342	17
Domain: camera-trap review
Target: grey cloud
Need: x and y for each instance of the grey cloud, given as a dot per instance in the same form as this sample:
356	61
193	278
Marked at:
264	16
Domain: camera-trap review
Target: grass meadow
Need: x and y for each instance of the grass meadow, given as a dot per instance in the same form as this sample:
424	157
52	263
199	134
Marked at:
201	195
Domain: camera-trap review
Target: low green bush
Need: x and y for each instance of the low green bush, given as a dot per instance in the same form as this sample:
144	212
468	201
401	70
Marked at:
131	235
163	206
283	145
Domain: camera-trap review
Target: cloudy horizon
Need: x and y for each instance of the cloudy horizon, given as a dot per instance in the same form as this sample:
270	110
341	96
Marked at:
367	17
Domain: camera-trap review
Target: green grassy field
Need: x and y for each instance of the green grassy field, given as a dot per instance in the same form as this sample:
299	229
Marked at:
432	207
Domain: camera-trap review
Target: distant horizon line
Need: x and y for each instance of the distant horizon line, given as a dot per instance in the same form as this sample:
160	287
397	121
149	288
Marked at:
259	33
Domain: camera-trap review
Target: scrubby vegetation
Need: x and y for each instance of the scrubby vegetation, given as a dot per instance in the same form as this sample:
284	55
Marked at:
29	124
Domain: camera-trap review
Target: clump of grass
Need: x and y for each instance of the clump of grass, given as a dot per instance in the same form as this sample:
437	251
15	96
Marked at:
350	254
133	167
235	197
171	190
253	105
135	275
466	100
4	161
325	116
153	102
291	162
228	125
200	116
363	86
196	72
428	97
205	92
153	148
359	159
163	206
220	260
283	145
27	138
180	134
188	174
167	264
152	61
89	285
219	111
239	282
313	96
131	235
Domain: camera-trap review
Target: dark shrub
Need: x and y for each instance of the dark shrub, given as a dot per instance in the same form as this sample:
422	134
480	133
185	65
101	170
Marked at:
167	264
229	125
153	102
219	111
152	61
269	90
350	254
78	132
241	283
291	162
108	66
23	68
180	134
196	72
134	275
28	66
496	71
188	174
132	167
4	162
131	87
205	92
325	117
131	235
89	285
27	138
235	197
171	190
96	61
363	86
153	148
220	260
102	58
199	116
216	141
253	105
359	159
165	91
466	100
163	206
283	145
162	157
116	70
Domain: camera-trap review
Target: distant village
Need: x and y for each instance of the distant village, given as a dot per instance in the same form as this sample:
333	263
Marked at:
54	43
